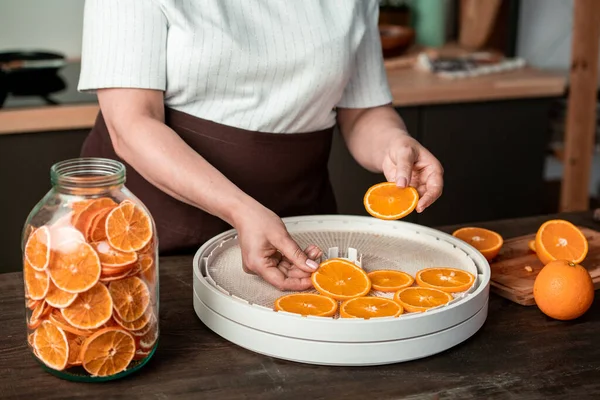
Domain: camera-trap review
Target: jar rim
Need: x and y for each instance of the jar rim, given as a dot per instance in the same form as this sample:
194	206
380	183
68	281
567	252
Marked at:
87	172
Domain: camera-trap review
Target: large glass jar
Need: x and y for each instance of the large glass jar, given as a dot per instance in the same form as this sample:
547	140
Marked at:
90	268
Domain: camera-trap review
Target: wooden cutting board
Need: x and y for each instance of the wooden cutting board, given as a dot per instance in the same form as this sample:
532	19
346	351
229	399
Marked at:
511	280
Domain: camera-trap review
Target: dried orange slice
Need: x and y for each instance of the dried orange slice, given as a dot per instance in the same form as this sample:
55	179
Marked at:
107	352
418	299
131	298
90	309
57	319
128	227
32	304
75	267
531	245
388	201
39	314
110	257
79	205
147	341
75	343
487	242
82	219
449	280
50	343
340	279
370	307
389	280
141	354
59	298
36	282
97	232
138	324
37	248
147	268
560	240
307	304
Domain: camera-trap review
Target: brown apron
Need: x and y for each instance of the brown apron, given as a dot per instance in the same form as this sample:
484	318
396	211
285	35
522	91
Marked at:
287	173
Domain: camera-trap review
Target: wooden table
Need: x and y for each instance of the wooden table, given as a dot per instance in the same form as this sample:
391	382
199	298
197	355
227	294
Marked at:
518	353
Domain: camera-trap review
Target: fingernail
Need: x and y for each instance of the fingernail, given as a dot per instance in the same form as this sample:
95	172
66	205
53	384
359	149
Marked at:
401	182
311	264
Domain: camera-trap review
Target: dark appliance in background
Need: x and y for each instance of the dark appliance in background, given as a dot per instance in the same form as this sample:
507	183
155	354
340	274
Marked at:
30	73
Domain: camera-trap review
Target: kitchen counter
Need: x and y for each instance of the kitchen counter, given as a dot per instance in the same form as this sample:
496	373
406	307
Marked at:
518	353
409	88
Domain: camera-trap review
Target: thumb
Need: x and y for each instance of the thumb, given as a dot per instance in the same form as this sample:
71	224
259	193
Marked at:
290	250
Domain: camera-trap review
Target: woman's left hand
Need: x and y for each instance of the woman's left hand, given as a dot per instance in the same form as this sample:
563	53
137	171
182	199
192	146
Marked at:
408	163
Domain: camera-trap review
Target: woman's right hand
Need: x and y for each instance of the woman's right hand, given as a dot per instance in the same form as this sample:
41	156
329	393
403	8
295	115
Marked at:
269	251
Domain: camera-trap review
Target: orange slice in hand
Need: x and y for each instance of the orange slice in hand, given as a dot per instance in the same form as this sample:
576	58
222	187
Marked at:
50	343
487	242
131	298
388	201
110	257
340	279
37	283
418	299
307	304
449	280
560	240
107	352
390	280
37	249
59	298
370	307
128	227
75	267
90	309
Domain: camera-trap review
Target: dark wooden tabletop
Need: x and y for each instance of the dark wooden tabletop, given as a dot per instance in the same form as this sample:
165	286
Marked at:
518	354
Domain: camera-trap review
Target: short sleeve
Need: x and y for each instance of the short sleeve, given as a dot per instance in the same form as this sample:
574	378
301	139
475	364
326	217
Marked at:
368	85
124	45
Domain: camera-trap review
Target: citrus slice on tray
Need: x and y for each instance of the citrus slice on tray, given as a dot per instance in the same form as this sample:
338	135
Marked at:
75	267
307	304
128	227
449	280
90	309
51	345
37	283
531	245
487	242
37	248
107	352
370	307
389	280
113	258
418	299
560	240
340	279
388	201
59	298
131	298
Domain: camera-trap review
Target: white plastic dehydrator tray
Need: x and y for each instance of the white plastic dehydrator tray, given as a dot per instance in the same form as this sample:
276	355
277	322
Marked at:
239	307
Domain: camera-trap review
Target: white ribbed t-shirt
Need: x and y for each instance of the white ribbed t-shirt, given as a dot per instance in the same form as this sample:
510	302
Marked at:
279	66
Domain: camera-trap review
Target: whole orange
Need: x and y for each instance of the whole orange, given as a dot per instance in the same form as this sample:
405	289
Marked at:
563	290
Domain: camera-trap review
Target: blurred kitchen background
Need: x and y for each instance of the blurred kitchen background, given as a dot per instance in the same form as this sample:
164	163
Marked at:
482	83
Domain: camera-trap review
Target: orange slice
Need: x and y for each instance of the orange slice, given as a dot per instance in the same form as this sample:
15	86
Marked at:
75	343
50	343
560	240
131	298
37	248
370	307
82	219
487	242
32	304
141	354
390	280
531	245
90	309
147	341
147	268
110	257
36	282
137	325
388	201
340	279
59	298
75	267
418	299
79	205
98	226
107	352
128	227
39	314
449	280
57	319
307	304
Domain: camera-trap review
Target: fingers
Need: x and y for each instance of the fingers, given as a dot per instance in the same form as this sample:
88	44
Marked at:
434	188
405	160
293	253
282	282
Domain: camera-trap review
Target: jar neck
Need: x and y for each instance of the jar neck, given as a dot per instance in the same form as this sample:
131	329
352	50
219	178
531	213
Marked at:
87	176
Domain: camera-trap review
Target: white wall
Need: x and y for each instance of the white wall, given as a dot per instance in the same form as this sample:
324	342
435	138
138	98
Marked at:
54	25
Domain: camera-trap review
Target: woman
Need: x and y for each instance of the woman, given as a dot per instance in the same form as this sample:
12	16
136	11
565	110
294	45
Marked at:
223	111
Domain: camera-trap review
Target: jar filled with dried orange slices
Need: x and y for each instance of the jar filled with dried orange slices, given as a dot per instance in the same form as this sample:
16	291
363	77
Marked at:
90	268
